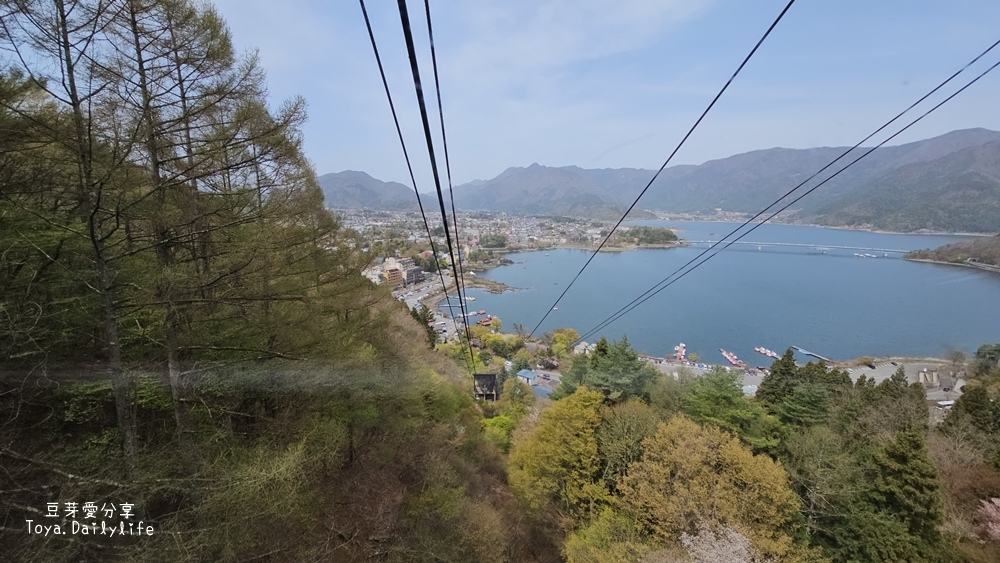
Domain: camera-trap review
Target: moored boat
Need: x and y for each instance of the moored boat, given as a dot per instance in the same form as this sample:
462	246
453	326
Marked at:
733	359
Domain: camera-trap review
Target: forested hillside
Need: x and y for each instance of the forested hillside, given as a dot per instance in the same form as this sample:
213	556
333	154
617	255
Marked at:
980	252
644	467
184	331
357	190
959	192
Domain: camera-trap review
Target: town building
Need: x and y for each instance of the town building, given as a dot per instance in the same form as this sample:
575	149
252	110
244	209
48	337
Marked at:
527	376
393	275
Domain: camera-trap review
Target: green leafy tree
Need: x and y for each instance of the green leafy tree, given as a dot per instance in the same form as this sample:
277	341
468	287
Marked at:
59	46
717	398
826	477
807	405
987	358
666	393
613	536
978	406
561	341
689	476
498	240
601	349
623	429
904	484
485	357
519	363
572	378
501	376
852	467
989	353
619	373
557	464
425	317
515	399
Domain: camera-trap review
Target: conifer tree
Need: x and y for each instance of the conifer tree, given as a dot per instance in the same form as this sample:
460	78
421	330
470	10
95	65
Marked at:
778	383
63	46
904	483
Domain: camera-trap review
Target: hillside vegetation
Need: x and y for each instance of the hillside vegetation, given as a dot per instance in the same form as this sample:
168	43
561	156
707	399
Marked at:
959	192
184	330
983	251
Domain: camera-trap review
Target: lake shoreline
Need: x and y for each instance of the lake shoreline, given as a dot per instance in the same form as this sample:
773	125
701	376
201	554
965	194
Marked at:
682	244
829	303
980	267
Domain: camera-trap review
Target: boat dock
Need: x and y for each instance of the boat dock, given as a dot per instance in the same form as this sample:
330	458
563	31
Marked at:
813	354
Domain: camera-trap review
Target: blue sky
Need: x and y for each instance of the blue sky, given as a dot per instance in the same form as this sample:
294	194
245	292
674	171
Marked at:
615	83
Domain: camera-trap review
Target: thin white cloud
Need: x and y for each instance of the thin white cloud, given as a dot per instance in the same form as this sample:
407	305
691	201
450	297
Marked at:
567	81
508	43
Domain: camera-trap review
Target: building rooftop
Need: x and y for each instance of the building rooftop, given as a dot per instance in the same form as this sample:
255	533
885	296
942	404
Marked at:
527	374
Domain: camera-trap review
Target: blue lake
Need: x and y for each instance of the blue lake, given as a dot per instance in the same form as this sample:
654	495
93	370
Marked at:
823	299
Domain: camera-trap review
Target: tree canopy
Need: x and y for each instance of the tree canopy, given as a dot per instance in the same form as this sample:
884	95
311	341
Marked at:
614	369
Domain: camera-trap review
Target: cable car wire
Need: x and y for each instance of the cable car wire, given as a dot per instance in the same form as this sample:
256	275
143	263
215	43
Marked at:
406	157
656	288
404	19
665	163
460	281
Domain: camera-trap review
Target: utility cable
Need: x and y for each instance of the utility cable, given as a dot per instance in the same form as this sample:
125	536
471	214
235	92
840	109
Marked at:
666	162
834	161
404	19
406	156
460	281
656	288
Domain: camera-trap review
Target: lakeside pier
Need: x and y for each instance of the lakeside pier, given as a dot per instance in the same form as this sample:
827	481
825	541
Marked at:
813	354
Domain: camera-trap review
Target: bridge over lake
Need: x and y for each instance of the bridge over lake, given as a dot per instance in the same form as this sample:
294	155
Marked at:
802	245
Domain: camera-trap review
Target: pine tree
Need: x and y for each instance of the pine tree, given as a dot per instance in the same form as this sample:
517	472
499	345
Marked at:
904	484
807	405
780	381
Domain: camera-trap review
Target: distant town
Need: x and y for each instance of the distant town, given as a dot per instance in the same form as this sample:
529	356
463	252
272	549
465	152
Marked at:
403	254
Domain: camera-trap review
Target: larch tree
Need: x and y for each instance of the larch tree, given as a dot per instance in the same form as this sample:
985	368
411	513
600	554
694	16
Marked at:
61	46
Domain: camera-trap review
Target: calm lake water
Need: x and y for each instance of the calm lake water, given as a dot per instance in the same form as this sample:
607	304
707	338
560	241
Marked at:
835	304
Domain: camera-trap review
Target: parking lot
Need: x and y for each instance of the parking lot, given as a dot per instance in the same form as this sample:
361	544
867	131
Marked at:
945	376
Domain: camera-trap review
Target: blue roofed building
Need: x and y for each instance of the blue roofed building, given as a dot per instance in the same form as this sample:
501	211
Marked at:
527	376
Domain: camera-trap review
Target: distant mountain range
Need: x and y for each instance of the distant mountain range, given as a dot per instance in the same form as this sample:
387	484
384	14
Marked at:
351	189
947	183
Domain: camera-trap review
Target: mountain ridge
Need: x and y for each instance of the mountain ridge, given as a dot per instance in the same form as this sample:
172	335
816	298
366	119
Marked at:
891	189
